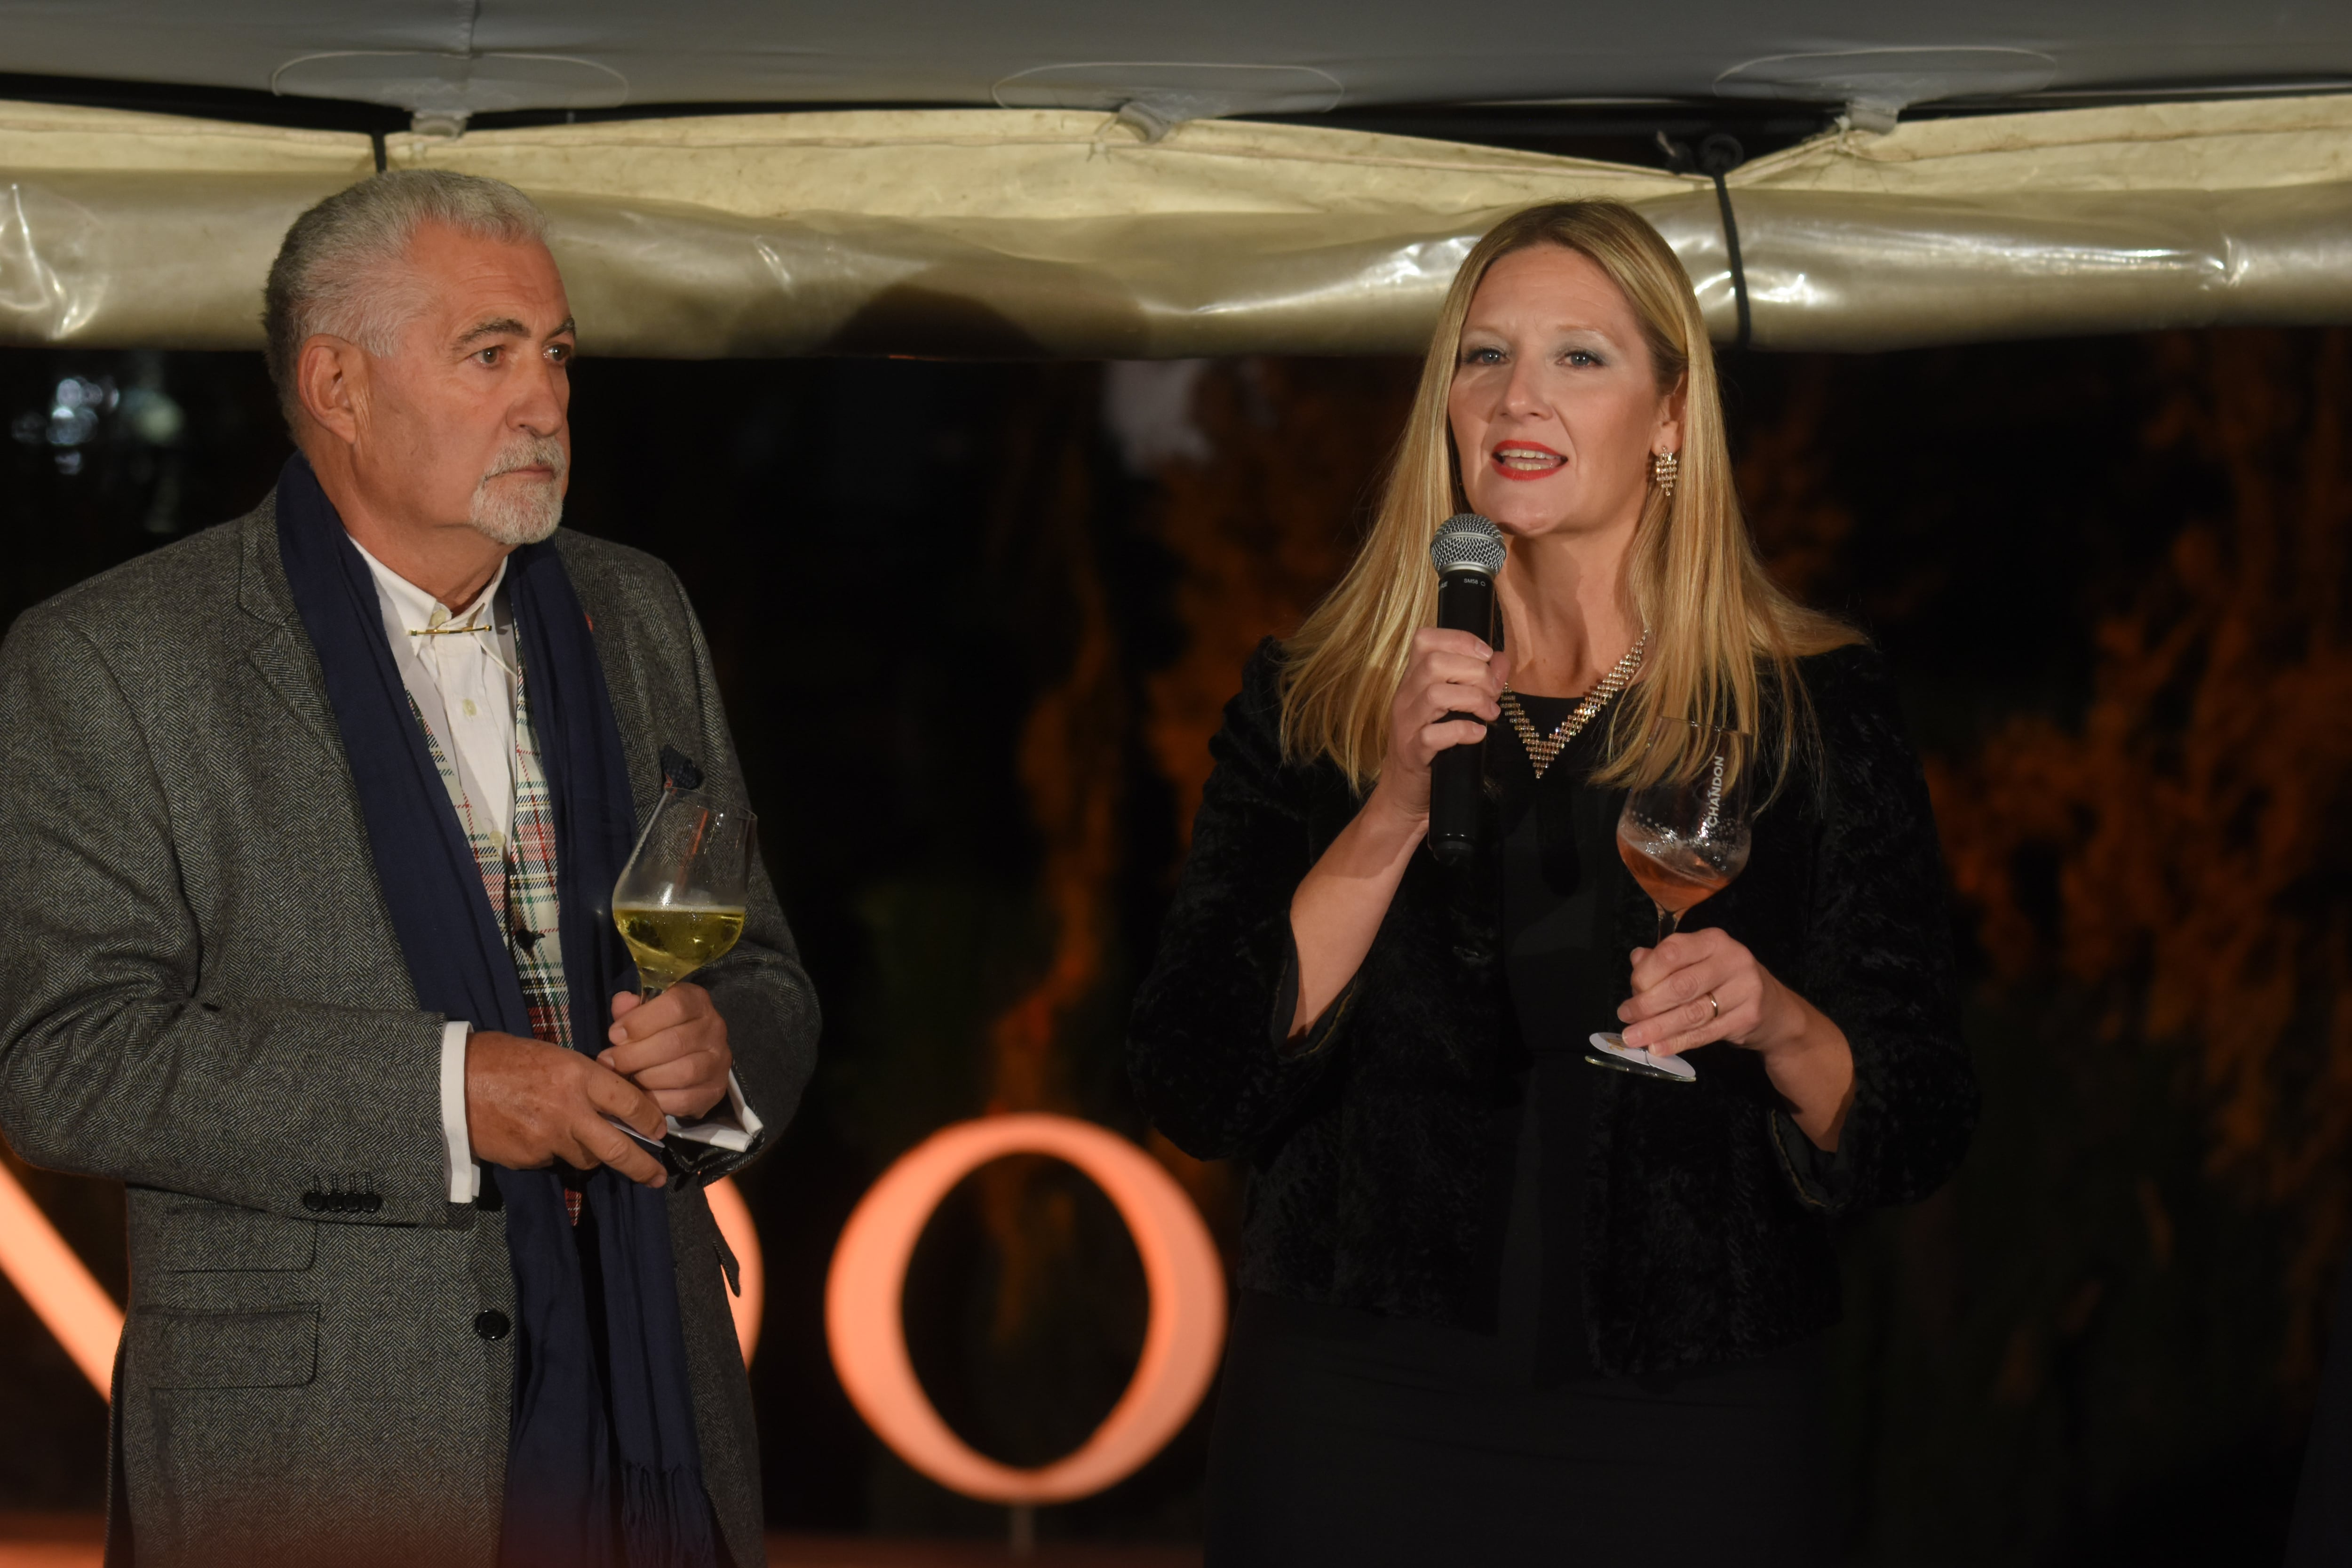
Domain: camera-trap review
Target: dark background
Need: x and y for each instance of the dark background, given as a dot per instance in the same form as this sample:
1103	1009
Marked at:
2110	574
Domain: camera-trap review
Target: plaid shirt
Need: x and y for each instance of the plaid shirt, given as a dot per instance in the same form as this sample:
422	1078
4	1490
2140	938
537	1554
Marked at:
519	875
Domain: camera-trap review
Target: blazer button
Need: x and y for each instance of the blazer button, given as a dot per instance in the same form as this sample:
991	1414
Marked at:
315	1202
493	1325
371	1202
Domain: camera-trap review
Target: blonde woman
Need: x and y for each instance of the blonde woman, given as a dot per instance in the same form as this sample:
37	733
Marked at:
1498	1306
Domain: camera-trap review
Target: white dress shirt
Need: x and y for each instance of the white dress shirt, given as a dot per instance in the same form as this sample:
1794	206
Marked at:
464	684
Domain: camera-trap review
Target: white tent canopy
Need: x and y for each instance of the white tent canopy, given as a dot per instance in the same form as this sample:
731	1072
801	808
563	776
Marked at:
1059	225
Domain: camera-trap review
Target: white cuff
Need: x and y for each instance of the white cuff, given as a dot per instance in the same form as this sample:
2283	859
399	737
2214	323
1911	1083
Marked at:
732	1129
465	1176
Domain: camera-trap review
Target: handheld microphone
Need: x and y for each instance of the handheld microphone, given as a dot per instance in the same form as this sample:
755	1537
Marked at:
1467	552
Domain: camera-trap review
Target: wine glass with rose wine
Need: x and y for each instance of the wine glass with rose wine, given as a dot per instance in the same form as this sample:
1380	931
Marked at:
1683	841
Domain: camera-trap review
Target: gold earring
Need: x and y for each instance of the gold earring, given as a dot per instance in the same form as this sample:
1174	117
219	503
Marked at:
1664	467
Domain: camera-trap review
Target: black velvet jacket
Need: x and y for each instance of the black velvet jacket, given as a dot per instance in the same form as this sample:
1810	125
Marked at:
1379	1170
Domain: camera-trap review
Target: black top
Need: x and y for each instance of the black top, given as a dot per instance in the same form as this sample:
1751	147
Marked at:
1382	1148
1559	838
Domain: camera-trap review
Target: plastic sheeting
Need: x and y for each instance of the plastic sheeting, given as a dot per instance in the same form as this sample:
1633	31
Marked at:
2032	225
1047	232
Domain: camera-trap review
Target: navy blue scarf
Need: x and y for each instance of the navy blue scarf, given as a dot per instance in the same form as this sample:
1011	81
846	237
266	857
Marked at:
602	1469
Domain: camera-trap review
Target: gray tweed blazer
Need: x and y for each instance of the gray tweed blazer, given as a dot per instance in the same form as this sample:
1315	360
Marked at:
201	997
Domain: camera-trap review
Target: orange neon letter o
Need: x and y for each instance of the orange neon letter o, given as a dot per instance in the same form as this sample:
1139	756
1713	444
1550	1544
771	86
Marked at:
865	1296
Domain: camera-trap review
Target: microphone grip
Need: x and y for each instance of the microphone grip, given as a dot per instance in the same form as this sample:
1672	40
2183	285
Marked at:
1465	602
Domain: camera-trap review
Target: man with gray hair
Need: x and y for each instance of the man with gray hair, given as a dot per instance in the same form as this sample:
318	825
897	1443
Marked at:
312	824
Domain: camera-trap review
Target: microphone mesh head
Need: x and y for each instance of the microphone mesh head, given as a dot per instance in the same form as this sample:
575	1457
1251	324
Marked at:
1467	543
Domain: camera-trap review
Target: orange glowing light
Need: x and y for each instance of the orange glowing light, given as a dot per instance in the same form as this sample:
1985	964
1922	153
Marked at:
734	1217
73	1306
865	1292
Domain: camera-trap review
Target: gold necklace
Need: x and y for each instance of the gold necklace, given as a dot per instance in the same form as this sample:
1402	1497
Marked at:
1545	750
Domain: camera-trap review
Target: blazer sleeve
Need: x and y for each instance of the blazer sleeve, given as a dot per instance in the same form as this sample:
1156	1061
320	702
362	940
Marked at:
1879	958
759	987
116	1061
1206	1045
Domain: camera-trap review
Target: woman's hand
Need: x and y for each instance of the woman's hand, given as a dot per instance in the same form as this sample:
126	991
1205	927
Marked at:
1449	673
1700	986
1345	895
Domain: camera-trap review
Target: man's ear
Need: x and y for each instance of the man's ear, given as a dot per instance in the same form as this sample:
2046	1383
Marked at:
331	379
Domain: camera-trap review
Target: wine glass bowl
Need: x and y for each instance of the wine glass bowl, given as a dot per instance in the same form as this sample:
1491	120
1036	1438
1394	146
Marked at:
680	902
1683	838
1684	843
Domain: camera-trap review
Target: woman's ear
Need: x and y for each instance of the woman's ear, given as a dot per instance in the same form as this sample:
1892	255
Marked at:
1669	436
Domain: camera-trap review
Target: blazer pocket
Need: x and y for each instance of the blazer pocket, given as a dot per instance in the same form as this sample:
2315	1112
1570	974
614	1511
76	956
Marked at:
277	1349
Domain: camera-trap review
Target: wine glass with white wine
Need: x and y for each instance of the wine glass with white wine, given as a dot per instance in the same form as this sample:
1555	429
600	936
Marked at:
1683	841
680	901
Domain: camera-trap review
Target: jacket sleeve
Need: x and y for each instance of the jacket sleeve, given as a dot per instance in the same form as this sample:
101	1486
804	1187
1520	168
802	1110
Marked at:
115	1059
1879	958
759	987
1206	1046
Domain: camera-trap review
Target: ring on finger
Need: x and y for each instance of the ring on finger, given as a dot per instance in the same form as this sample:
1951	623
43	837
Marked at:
1715	1005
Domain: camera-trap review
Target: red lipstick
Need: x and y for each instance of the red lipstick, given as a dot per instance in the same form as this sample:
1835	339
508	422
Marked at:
1526	460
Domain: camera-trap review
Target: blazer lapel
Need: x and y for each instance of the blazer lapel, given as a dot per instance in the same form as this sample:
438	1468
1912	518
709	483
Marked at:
281	653
632	715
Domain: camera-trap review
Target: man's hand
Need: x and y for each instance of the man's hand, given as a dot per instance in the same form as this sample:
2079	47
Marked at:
529	1104
673	1047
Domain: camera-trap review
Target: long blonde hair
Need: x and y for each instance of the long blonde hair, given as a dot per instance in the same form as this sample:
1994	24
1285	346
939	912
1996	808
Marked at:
1719	628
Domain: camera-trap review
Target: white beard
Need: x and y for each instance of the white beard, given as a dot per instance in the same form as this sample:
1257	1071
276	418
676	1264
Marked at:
523	513
516	514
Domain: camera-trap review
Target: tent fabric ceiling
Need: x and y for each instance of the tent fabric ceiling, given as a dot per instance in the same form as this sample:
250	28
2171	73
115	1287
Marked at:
1059	232
1084	179
1208	57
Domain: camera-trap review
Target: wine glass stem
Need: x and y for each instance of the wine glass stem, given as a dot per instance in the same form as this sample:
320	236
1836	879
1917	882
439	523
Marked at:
647	990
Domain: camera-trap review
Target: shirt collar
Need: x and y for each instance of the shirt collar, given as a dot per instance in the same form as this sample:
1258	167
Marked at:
413	605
